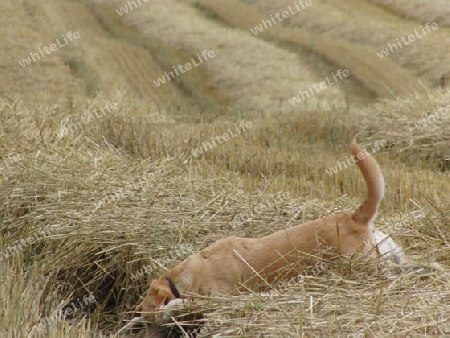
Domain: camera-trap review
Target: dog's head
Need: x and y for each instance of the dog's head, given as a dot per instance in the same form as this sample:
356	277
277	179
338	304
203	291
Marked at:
160	293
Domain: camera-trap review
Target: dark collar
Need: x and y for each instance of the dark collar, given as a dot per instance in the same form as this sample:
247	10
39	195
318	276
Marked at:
173	288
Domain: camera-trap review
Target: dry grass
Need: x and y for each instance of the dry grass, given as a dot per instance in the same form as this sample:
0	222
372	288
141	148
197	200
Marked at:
243	68
119	200
157	207
416	127
421	10
380	77
363	30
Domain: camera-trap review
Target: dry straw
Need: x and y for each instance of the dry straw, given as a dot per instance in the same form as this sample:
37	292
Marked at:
166	203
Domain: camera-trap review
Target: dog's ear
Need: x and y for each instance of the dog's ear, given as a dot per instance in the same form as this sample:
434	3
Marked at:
162	292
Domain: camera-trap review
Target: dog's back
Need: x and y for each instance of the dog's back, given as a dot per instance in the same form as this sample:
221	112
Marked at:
344	233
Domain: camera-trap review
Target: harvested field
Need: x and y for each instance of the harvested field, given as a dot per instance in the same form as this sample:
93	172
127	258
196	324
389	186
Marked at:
107	179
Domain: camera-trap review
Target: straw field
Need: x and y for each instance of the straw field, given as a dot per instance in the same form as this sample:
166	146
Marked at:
108	180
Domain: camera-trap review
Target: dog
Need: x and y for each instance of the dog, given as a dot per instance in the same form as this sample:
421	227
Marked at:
229	263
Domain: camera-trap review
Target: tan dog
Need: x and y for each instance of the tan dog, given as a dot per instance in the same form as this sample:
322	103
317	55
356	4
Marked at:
223	266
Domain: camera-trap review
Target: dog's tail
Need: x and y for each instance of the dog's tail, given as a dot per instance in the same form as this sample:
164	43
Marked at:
375	184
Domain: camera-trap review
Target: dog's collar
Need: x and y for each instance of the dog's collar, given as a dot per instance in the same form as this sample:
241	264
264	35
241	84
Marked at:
173	288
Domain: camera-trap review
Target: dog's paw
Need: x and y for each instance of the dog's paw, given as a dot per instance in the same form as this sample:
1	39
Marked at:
166	312
134	325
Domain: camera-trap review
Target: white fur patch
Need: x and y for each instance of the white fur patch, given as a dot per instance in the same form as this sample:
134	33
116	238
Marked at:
388	248
166	312
136	322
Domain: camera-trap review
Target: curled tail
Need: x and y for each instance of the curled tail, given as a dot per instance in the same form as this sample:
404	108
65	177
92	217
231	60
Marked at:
375	185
